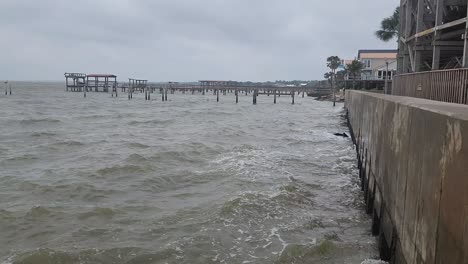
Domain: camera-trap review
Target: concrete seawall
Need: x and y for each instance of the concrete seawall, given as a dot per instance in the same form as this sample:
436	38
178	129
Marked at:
413	160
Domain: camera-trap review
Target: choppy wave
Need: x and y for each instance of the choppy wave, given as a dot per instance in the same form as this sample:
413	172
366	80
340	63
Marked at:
68	143
138	145
100	212
113	255
38	212
125	170
151	122
325	251
24	157
267	204
35	121
43	134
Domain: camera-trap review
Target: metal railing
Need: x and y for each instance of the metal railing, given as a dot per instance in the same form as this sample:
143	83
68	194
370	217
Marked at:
445	85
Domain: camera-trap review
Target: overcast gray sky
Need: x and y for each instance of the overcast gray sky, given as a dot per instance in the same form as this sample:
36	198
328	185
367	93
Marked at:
185	40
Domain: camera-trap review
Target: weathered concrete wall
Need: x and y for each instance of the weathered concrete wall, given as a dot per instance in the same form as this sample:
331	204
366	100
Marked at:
413	158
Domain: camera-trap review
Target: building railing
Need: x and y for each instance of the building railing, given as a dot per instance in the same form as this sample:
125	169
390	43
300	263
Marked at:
445	85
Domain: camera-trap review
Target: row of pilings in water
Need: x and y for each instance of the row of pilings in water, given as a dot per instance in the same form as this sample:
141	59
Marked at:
150	91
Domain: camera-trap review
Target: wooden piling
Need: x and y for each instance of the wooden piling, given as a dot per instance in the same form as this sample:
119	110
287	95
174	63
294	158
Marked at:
254	97
10	88
292	94
274	100
303	94
162	94
237	96
165	96
217	95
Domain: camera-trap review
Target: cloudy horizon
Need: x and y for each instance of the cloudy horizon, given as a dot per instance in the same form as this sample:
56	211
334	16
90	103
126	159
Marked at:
185	40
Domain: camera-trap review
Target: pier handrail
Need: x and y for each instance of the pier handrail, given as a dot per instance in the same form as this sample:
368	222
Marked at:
442	85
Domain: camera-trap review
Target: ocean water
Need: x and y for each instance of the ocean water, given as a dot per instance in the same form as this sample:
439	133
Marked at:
108	180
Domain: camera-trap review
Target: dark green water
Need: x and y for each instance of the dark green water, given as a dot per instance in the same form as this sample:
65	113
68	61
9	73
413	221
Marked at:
106	180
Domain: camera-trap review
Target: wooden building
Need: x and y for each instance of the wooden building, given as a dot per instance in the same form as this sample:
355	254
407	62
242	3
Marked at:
432	35
101	82
79	82
75	82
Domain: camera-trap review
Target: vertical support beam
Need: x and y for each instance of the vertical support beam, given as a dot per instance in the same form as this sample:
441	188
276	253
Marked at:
217	95
255	97
237	96
438	22
465	48
417	66
274	100
115	84
292	95
408	61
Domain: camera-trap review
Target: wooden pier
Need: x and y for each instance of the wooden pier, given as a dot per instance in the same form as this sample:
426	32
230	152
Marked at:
79	82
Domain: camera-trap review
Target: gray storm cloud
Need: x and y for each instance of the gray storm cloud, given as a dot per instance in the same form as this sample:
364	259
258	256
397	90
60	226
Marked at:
184	40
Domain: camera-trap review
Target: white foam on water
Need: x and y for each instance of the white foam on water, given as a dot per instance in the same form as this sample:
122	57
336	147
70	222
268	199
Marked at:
373	261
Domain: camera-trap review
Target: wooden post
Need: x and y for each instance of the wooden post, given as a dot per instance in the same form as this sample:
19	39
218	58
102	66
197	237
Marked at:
116	86
128	90
465	47
274	100
333	88
165	96
255	97
217	95
303	94
10	88
162	94
237	96
292	94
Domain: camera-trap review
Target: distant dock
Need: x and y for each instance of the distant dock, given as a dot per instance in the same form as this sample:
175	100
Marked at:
80	82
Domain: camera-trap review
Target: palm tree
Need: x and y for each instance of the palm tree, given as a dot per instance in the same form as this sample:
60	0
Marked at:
390	27
340	78
333	62
354	69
